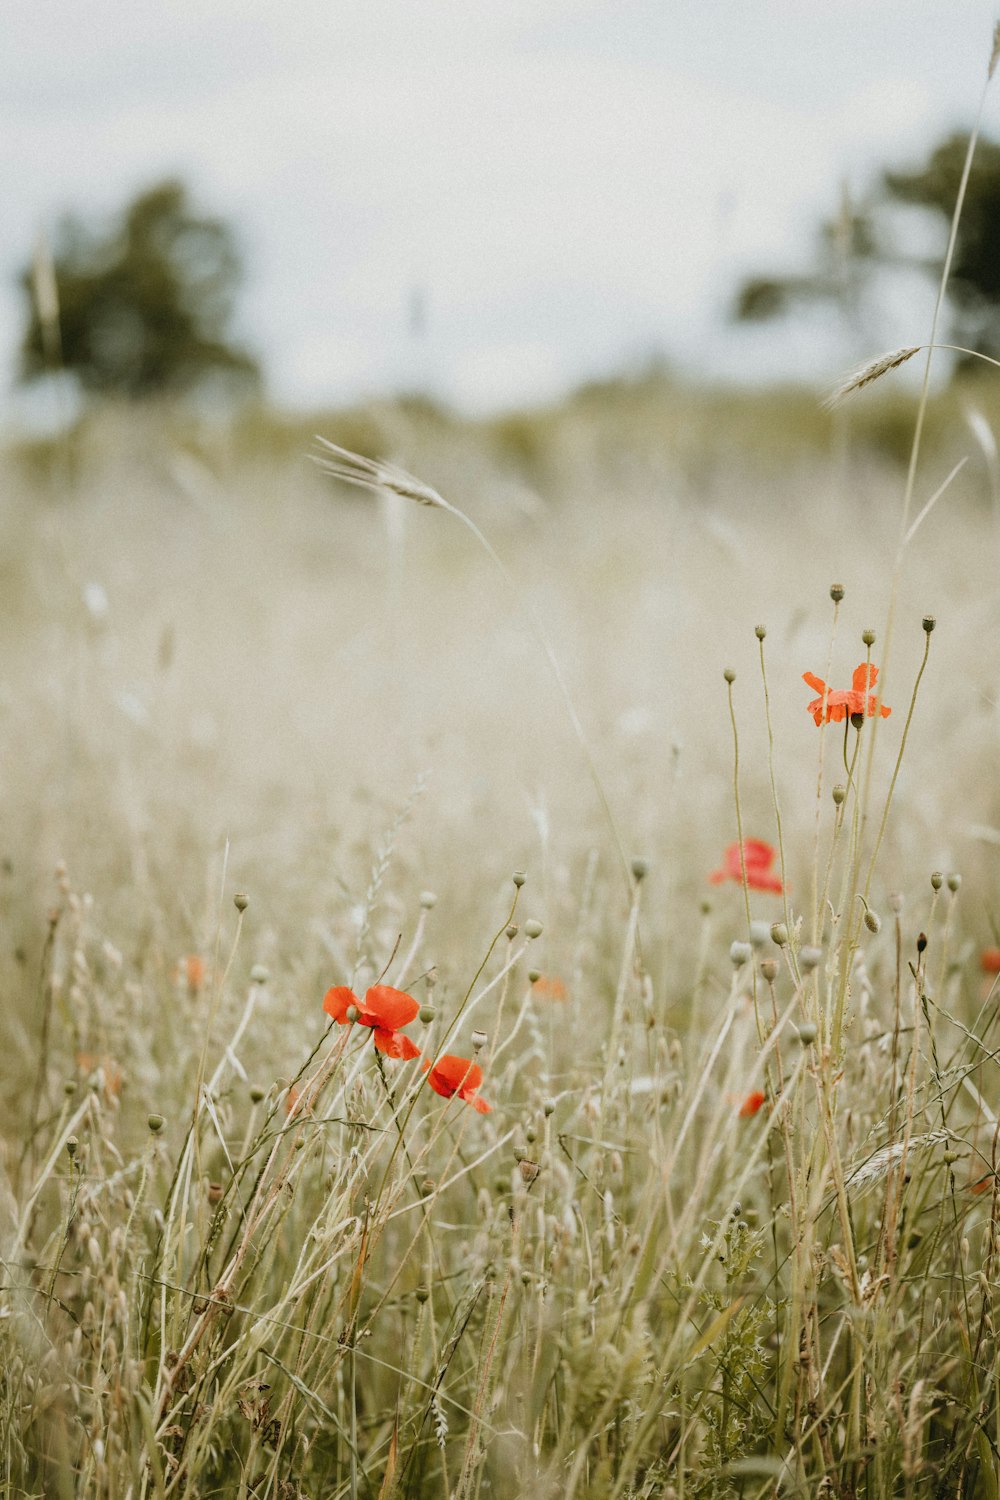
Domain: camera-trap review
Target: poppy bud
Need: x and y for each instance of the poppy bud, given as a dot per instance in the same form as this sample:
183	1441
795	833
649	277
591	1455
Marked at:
937	880
256	1093
769	969
640	869
532	929
779	934
72	1146
352	1013
760	631
839	794
511	932
928	622
759	933
872	920
807	1033
857	720
69	1087
836	592
530	1134
954	881
479	1040
868	636
422	1293
241	901
739	954
519	878
922	943
729	675
810	958
534	975
259	974
428	900
155	1123
519	1153
549	1108
529	1170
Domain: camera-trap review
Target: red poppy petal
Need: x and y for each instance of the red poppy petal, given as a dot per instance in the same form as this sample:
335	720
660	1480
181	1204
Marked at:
478	1103
718	876
816	683
457	1073
337	1000
751	1104
394	1044
765	880
390	1008
756	852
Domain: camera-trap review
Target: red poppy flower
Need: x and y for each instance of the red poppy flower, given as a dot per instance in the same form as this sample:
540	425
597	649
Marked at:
989	960
457	1075
758	858
751	1104
549	987
384	1009
834	706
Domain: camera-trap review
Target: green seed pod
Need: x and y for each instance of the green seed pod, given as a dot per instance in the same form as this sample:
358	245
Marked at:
839	794
532	929
241	901
519	878
868	636
155	1123
836	592
779	934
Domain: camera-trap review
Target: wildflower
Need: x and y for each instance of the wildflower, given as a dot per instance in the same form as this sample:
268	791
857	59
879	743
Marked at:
103	1069
751	1104
457	1075
549	987
384	1009
194	973
758	858
834	706
989	960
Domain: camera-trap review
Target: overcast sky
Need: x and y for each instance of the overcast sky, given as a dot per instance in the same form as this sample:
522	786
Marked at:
573	186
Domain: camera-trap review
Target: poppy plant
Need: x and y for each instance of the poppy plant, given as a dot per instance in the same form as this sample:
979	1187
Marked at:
384	1009
457	1075
832	706
758	858
751	1104
989	960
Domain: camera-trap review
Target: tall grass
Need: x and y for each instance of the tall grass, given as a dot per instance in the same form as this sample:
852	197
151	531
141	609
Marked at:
718	1211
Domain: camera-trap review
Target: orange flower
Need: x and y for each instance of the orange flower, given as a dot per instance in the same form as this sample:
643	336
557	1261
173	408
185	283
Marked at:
457	1075
385	1010
111	1074
834	706
194	973
983	1185
989	960
758	858
751	1104
549	987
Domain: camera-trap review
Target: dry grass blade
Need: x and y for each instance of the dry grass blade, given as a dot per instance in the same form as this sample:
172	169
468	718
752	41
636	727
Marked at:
375	474
874	370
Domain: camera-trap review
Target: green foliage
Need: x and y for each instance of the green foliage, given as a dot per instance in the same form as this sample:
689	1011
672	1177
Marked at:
858	241
140	308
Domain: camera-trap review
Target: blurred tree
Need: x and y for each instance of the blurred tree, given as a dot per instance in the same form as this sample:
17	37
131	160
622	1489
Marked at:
142	308
859	242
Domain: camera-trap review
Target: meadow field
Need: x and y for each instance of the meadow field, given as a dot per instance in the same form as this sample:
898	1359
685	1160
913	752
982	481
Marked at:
705	1203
